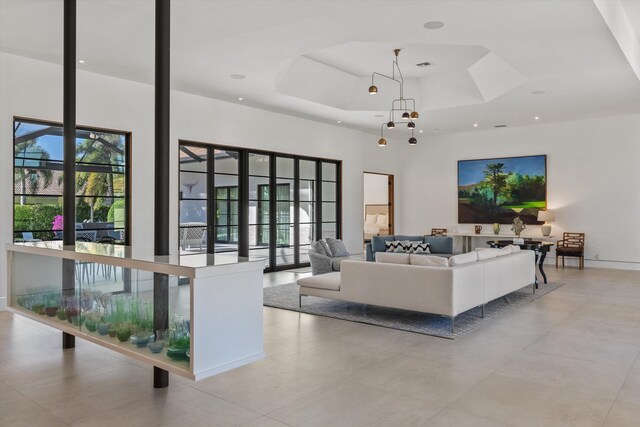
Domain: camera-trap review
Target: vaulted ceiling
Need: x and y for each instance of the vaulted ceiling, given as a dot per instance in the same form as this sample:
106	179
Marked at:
493	62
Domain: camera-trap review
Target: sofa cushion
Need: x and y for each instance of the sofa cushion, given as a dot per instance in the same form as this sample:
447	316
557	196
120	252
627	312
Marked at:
326	248
392	258
428	260
515	248
439	244
318	247
462	259
378	243
488	253
337	247
329	281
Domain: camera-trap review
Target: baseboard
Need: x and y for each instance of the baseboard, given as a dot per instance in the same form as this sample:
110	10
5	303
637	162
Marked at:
3	303
228	366
596	263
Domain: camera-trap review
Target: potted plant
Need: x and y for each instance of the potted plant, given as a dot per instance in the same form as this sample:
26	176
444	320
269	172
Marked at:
123	332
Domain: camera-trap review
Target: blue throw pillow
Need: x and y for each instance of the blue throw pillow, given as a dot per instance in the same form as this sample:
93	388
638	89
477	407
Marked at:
440	244
409	238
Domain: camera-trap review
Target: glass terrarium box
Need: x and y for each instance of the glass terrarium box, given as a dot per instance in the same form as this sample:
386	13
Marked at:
195	315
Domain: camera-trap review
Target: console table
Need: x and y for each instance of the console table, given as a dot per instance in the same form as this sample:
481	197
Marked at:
467	238
541	248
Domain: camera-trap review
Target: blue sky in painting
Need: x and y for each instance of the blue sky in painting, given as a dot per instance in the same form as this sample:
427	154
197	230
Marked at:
471	171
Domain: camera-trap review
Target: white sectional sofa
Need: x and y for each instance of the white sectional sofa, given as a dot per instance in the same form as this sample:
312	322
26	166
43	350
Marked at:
396	280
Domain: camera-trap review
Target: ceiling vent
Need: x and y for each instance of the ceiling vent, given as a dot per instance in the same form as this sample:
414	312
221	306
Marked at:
423	64
500	126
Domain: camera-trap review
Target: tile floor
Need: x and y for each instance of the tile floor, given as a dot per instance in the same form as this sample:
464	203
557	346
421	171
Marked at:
570	358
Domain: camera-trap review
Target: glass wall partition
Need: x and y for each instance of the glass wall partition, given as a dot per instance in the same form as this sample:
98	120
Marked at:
102	183
261	205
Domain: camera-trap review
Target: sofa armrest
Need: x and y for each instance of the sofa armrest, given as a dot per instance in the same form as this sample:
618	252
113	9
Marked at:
320	264
369	252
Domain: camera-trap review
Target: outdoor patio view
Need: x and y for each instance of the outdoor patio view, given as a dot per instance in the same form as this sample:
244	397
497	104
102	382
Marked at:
101	183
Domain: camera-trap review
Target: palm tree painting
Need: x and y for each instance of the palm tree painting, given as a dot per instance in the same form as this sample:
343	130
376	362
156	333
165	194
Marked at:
498	190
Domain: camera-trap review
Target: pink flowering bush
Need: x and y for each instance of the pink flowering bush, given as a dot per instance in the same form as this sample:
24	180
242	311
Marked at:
57	222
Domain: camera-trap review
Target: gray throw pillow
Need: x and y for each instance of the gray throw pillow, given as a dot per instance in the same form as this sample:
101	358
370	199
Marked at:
327	250
318	248
337	247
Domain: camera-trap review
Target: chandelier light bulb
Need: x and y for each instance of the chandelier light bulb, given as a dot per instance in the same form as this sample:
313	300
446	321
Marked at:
411	125
391	125
413	141
373	90
414	115
405	116
382	142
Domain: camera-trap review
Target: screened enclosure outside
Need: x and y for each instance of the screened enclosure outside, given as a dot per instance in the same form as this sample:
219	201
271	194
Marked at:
280	197
102	187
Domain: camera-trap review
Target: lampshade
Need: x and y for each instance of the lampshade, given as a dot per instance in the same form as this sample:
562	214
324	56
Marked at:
546	216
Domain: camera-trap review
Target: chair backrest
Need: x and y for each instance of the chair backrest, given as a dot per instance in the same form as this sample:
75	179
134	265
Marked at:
438	231
573	240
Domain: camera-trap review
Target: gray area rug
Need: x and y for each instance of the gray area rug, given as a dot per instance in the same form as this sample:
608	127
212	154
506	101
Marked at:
286	297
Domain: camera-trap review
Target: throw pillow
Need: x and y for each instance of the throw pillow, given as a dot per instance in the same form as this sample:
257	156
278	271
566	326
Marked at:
428	260
440	244
317	247
391	258
462	259
378	243
515	248
337	247
371	219
505	251
395	246
419	248
381	221
326	248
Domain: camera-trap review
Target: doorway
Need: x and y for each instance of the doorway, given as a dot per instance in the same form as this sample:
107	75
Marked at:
378	209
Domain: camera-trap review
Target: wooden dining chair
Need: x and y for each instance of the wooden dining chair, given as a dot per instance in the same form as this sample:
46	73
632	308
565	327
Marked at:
438	231
571	245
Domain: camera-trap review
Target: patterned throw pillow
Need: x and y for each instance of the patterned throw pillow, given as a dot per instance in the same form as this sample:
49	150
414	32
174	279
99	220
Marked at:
419	248
395	246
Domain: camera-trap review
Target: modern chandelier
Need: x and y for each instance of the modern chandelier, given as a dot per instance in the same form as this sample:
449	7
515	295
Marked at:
399	105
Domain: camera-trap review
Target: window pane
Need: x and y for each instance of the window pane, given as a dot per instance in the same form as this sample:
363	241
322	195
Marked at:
254	186
193	211
258	164
304	253
307	190
307	169
329	171
193	185
284	167
328	192
307	212
226	161
284	189
329	212
226	181
329	229
193	158
307	233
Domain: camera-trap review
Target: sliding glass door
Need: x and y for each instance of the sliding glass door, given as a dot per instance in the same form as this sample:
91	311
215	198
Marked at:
256	204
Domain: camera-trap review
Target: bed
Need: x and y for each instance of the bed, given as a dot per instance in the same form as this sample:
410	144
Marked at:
376	221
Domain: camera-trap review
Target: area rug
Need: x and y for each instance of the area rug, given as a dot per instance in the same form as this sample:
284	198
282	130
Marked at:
286	297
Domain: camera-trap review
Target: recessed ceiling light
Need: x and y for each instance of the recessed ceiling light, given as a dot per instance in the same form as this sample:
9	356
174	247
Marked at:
434	25
81	61
240	99
339	121
238	76
538	92
475	125
536	118
420	131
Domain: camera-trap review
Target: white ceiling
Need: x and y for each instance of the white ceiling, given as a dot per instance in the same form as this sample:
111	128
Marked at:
314	59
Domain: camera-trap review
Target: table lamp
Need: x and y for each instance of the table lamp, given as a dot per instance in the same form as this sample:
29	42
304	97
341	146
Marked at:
546	216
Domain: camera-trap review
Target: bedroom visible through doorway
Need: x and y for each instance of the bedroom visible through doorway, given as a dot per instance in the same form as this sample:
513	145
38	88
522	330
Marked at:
378	205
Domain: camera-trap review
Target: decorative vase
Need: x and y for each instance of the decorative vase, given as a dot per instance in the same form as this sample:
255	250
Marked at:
496	228
518	226
123	334
51	310
61	315
112	332
103	328
478	229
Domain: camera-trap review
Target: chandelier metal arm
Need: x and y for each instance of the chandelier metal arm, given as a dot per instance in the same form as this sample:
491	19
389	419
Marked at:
385	76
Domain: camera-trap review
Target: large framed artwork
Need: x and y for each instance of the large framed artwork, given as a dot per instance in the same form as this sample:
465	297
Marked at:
500	189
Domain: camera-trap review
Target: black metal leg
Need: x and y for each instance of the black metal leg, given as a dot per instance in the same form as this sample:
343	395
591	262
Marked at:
543	255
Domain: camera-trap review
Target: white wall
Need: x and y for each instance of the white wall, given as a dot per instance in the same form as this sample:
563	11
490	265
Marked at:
376	189
593	181
33	89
